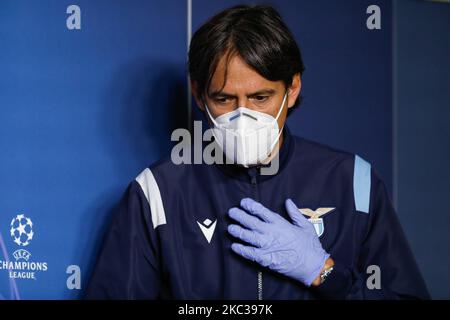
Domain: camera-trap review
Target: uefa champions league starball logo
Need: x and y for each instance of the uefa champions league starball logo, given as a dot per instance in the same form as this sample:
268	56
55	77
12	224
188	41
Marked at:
21	230
24	267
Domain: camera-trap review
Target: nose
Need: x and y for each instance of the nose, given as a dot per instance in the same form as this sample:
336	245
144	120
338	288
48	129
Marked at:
243	102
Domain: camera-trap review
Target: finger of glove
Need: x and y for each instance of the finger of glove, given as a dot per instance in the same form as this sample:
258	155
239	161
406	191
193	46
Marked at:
248	236
258	210
295	214
250	253
245	219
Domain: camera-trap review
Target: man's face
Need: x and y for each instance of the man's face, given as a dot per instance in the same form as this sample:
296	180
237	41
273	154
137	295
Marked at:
244	87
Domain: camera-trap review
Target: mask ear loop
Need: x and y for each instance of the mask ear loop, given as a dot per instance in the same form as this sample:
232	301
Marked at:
210	116
276	119
282	106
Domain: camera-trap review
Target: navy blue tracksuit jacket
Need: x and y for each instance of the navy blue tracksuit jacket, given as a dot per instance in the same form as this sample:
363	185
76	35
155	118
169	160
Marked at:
169	239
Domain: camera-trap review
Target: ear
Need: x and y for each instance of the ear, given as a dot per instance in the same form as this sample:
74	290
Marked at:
294	89
196	95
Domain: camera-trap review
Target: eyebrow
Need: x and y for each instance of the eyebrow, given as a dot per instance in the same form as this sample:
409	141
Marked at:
266	91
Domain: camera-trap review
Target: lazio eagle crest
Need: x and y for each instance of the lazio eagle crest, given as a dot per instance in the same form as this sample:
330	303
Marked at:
315	218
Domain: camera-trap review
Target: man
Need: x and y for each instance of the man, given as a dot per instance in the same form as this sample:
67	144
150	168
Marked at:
318	227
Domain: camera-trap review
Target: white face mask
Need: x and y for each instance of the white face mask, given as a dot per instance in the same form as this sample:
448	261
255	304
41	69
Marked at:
247	137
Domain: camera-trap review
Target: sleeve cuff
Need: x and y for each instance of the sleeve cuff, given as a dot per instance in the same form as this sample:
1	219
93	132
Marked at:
337	285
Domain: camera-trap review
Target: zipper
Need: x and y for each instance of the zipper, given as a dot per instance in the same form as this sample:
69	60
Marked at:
253	172
260	285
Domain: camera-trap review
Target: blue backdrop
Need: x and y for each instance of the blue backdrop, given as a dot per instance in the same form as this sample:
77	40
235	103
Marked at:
422	135
83	111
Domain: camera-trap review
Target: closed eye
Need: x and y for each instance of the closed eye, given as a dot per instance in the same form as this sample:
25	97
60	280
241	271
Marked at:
223	100
260	98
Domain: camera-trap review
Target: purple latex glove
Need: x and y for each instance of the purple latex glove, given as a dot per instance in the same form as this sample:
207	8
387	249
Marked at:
292	249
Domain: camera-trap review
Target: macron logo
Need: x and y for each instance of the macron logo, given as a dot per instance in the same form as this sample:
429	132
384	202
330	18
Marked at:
207	227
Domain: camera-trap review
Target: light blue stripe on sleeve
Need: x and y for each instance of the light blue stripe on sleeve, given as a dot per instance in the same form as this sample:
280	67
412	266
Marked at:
361	184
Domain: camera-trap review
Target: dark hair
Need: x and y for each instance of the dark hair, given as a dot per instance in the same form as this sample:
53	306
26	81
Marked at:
257	34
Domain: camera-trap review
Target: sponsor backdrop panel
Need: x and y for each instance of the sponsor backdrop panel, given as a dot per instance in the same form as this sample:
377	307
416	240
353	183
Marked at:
82	111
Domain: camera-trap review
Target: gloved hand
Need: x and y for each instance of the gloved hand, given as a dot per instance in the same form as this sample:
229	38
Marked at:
290	249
